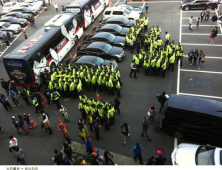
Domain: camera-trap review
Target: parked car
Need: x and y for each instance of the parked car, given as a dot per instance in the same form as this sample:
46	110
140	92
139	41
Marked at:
187	154
103	50
124	22
40	2
107	38
6	26
198	5
13	20
31	6
1	14
132	8
112	28
18	15
91	61
4	33
25	10
9	6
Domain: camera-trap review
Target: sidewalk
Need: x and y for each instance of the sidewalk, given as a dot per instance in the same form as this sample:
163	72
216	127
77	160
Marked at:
117	158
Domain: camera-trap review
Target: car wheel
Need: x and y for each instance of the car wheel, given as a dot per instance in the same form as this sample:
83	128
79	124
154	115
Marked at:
76	39
52	67
178	134
186	8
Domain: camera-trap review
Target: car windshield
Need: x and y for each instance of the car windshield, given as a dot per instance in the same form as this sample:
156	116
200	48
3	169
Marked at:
6	25
127	11
98	60
25	9
13	19
129	7
118	28
7	5
111	37
31	4
107	48
125	20
205	155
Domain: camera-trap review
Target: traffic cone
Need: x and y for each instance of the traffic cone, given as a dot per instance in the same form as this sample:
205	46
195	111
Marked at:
32	122
43	100
60	124
23	30
97	95
110	3
39	13
70	54
29	24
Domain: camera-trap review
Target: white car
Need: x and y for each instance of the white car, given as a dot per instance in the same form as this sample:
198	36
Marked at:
9	6
14	28
40	2
192	154
31	6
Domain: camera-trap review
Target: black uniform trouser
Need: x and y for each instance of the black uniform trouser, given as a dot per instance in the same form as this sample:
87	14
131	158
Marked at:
201	18
15	101
107	125
40	103
166	43
26	99
6	105
138	68
118	93
147	70
83	113
145	28
57	103
116	107
181	63
111	120
7	90
111	91
138	48
171	65
133	71
38	108
132	48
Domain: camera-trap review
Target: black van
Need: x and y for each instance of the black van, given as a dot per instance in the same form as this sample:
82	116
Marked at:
193	117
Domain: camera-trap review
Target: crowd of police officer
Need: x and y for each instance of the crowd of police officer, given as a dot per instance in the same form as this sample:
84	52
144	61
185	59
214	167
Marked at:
150	50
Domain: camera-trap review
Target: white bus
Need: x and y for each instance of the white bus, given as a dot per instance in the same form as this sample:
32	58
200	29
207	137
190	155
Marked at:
43	50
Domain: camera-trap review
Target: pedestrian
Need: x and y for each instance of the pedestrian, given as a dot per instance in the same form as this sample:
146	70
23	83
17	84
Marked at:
190	23
202	14
5	40
36	104
5	85
214	35
145	128
207	14
9	36
97	128
65	135
13	142
55	97
63	8
116	104
191	56
82	134
162	100
160	159
23	93
108	158
151	161
21	124
197	25
67	150
46	123
26	35
125	131
82	124
137	152
38	96
56	7
14	97
34	23
196	56
89	145
58	158
64	112
201	58
167	39
214	18
5	103
146	7
20	155
133	69
152	112
16	123
26	118
47	95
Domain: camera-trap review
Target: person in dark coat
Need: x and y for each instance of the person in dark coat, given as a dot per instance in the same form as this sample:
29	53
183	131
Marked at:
96	128
5	103
160	159
214	35
108	158
5	85
162	99
67	150
145	128
58	158
151	161
214	18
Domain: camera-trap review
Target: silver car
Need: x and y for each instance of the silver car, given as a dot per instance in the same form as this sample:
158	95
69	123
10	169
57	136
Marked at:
14	28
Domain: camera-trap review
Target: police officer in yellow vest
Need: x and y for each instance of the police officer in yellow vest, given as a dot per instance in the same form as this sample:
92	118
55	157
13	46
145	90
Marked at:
179	56
55	97
167	39
146	22
171	62
37	106
163	67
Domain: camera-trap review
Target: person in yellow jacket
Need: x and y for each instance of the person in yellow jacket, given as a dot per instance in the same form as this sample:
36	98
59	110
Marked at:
167	38
55	97
146	22
153	64
37	106
171	62
147	66
111	114
179	56
82	134
163	67
158	63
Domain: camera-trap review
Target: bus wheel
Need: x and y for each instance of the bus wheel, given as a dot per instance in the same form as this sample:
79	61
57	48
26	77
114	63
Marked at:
52	67
76	39
178	134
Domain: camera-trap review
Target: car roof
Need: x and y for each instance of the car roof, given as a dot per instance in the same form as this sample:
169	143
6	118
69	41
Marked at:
18	7
87	59
110	26
8	3
116	19
102	34
7	17
195	104
115	8
97	45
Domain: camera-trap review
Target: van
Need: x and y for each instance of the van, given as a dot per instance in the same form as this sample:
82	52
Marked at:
193	117
120	12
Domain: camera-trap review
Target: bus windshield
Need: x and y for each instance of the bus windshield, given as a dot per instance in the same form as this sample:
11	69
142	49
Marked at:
73	9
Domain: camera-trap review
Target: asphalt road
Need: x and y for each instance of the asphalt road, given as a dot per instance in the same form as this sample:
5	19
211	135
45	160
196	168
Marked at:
137	95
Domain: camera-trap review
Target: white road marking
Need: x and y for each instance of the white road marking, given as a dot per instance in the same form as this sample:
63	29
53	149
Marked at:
4	51
175	142
210	57
143	5
1	52
180	39
200	71
116	3
196	34
198	95
216	45
199	25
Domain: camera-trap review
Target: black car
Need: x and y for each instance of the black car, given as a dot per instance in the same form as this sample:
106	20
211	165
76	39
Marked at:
103	50
18	15
13	20
124	22
25	10
198	4
91	61
105	37
111	28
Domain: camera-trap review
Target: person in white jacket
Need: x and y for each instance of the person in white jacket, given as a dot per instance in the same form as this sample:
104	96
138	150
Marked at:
12	143
56	7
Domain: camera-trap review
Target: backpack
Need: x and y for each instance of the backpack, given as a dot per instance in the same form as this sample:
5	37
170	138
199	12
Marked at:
123	129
